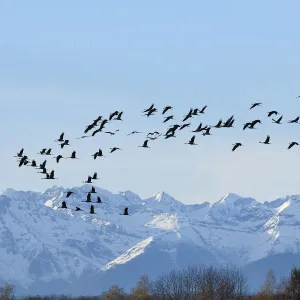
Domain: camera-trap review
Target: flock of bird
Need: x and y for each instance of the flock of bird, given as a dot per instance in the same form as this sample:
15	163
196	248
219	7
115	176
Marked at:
98	125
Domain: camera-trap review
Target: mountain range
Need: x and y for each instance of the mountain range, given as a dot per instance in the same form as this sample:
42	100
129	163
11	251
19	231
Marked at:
45	249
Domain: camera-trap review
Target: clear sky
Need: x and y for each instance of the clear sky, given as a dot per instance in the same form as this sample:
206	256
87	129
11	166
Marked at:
63	63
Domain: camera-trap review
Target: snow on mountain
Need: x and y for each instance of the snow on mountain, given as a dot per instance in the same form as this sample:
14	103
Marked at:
129	254
43	245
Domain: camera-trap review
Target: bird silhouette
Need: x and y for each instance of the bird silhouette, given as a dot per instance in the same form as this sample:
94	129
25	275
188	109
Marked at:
207	131
126	211
169	135
63	204
112	115
166	109
42	152
236	145
23	160
98	153
145	144
88	197
73	155
272	112
173	128
255	104
198	129
148	109
192	141
267	141
20	154
65	143
95	155
184	126
43	165
202	110
48	152
89	180
50	176
246	125
195	111
112	133
92	211
188	115
89	127
134	132
119	117
97	120
296	120
152	133
219	124
228	122
69	194
83	137
96	131
103	123
150	112
61	138
292	144
168	119
93	190
278	120
95	176
114	149
58	158
33	163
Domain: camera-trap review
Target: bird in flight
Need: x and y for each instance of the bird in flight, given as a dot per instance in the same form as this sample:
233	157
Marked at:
255	104
134	132
145	144
296	120
272	112
236	145
278	120
114	149
292	144
192	141
166	109
267	140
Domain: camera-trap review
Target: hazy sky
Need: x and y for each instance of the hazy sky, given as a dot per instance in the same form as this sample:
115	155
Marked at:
63	63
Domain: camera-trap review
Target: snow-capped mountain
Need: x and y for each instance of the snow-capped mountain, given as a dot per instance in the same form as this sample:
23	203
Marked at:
46	249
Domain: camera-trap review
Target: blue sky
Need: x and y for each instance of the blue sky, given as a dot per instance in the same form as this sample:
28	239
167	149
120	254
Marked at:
63	63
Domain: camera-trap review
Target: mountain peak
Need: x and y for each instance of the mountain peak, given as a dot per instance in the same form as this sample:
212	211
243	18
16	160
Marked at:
130	195
161	196
235	199
231	205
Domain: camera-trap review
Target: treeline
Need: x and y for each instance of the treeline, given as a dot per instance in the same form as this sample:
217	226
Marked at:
193	283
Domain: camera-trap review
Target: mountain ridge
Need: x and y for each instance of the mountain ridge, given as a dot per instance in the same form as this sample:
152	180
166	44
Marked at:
42	244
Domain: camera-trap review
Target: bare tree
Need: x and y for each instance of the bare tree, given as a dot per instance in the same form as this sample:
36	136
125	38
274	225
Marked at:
114	293
294	284
142	289
7	292
201	283
269	287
